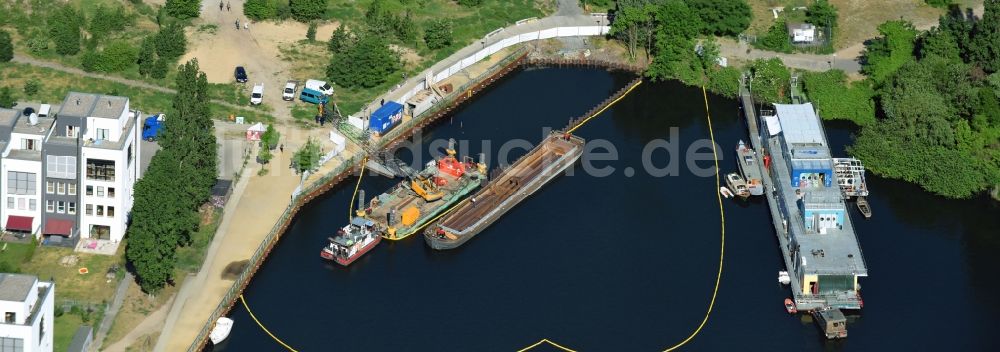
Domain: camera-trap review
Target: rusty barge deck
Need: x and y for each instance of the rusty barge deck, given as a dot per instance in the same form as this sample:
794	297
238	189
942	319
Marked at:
546	161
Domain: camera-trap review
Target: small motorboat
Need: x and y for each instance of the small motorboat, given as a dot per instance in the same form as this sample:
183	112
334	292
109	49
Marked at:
221	330
863	206
783	278
725	192
790	306
737	184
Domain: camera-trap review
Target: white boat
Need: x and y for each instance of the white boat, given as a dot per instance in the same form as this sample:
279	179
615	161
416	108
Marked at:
725	192
737	184
221	330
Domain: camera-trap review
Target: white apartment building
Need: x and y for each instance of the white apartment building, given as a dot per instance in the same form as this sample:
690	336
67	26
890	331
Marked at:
21	171
27	305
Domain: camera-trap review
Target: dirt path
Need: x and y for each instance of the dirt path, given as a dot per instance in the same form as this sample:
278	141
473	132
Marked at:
152	324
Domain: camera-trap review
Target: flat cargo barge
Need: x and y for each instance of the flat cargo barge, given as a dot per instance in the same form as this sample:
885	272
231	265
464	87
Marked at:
551	157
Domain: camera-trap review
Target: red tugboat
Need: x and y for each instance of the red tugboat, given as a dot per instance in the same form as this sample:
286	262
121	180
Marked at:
351	242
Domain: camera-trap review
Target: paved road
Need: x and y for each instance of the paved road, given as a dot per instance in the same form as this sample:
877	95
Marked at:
129	82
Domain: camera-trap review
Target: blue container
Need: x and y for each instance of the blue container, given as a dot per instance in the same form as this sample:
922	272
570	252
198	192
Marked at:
386	117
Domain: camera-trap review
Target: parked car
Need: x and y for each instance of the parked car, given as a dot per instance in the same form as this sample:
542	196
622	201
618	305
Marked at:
241	74
289	92
257	94
320	86
152	127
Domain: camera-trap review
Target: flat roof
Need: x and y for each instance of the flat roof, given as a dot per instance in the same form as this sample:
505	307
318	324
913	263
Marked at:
15	287
9	116
41	128
79	104
21	154
106	144
800	124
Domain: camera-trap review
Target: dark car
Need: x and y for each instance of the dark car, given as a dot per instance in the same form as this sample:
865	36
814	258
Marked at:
241	74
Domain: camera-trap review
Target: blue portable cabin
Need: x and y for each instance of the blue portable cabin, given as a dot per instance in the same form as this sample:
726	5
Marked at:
313	96
386	117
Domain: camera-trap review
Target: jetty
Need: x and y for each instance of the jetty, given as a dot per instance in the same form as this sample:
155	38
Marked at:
811	220
550	158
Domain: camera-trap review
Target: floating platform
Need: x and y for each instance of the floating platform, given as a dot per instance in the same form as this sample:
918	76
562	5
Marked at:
542	164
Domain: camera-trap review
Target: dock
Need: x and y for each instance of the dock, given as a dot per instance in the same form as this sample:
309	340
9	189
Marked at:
812	223
545	162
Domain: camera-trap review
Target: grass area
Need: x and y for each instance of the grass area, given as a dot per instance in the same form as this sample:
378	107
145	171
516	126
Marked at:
56	84
71	285
65	327
135	308
14	255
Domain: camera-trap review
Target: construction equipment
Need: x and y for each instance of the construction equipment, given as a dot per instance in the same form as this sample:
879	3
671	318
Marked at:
424	188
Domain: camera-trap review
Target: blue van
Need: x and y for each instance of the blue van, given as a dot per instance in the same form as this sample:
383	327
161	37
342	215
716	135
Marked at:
313	96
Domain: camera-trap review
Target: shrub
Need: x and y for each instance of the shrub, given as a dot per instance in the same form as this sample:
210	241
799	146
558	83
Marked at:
260	9
160	68
6	47
776	38
38	44
118	56
470	2
170	42
438	34
724	81
307	10
6	98
64	27
107	20
836	99
311	32
367	63
339	40
31	87
183	9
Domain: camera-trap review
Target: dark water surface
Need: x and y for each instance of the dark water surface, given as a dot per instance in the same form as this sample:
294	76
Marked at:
621	263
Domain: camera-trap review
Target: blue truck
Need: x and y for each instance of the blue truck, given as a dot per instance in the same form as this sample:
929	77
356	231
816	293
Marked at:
152	127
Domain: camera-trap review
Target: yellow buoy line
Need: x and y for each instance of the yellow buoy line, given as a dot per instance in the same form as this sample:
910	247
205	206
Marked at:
722	249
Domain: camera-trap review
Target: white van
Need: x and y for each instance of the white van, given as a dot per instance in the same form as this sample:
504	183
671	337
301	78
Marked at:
257	95
319	86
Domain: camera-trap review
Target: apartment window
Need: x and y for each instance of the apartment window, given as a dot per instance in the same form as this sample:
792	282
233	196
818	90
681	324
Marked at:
50	206
20	182
103	170
61	207
11	344
71	208
102	133
63	167
71	131
32	204
100	191
100	210
10	317
10	202
60	188
22	204
90	190
29	144
89	209
50	187
71	189
128	160
111	192
111	211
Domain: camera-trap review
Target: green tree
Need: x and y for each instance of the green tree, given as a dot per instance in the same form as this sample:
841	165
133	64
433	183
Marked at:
985	46
311	32
6	47
675	54
307	157
108	20
183	9
269	139
939	42
264	156
117	56
7	99
631	25
770	80
339	40
821	13
260	9
307	10
404	28
776	38
722	17
887	53
31	87
160	68
438	34
146	57
367	63
837	99
188	132
170	42
64	28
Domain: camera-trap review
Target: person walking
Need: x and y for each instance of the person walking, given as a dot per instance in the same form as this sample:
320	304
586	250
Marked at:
246	25
220	5
227	7
237	24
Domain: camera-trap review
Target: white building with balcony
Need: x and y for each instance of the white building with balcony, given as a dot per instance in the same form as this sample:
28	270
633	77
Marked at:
27	305
21	171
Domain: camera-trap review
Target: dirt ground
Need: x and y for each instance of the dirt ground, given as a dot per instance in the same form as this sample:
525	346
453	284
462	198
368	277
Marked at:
256	47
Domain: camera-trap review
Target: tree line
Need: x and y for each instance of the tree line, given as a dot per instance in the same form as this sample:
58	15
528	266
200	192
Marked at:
179	180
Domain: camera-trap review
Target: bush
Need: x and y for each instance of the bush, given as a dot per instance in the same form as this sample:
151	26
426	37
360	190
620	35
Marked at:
146	57
307	10
470	2
6	98
724	81
170	42
776	38
770	80
6	47
311	32
722	17
438	34
64	27
260	9
37	44
118	56
90	60
835	99
367	63
340	40
183	9
939	3
160	68
107	20
31	87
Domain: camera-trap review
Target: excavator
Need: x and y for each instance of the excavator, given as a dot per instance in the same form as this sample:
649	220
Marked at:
425	188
